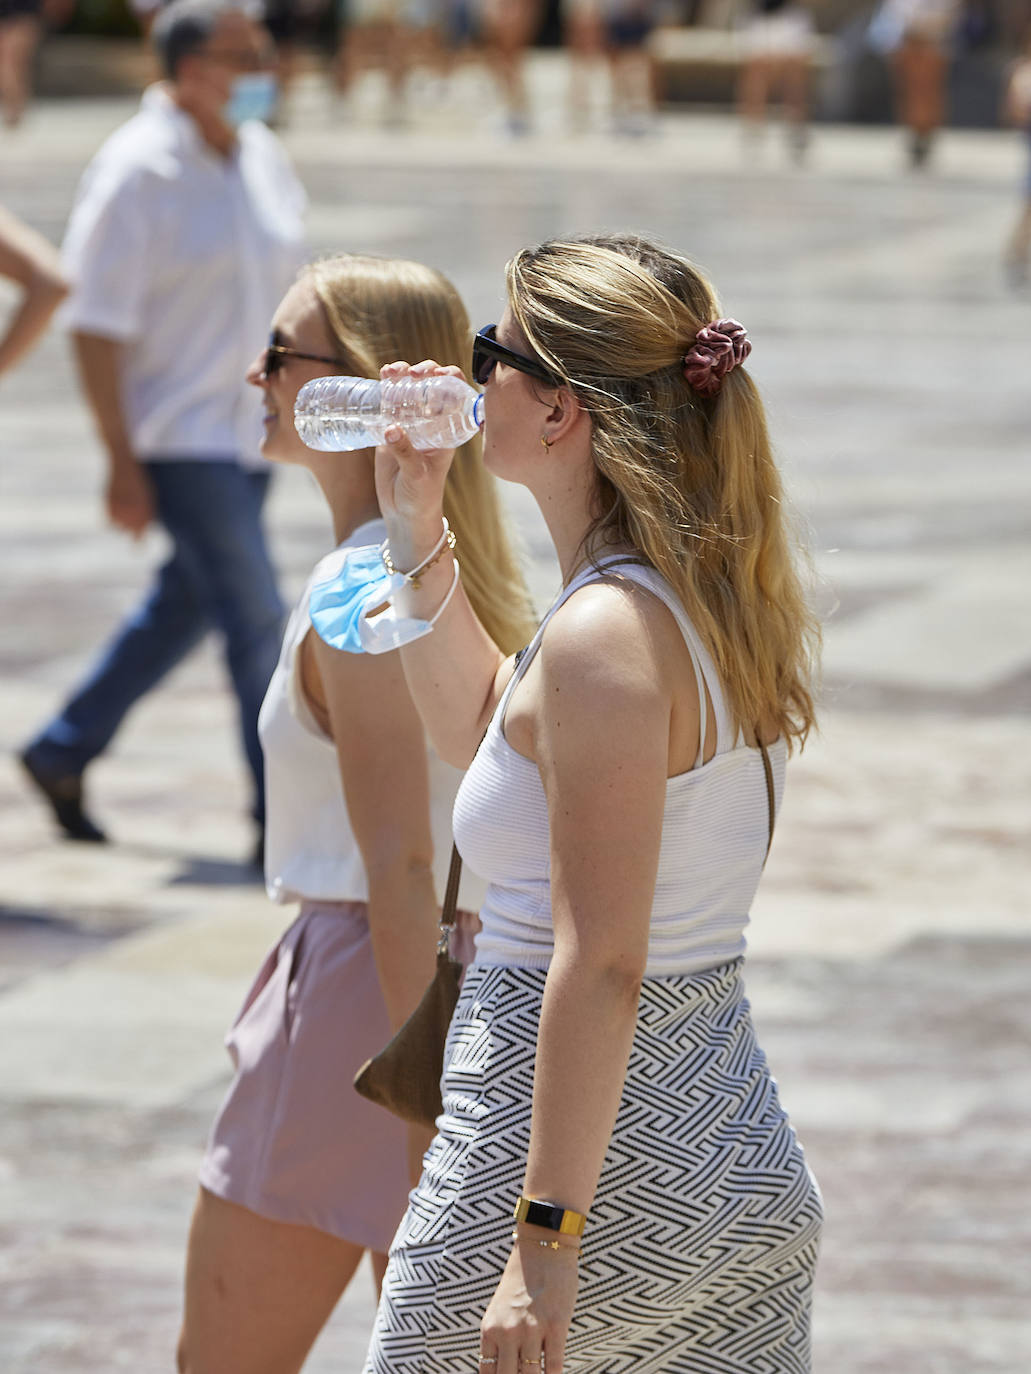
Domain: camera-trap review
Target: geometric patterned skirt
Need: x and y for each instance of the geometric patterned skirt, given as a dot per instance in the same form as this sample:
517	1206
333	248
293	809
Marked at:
701	1244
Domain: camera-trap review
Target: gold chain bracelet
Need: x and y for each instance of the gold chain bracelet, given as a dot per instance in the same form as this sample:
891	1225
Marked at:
414	578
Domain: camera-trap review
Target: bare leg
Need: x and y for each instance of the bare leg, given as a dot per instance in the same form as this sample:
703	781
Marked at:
1018	248
510	25
632	89
753	94
795	87
584	48
258	1292
18	39
920	72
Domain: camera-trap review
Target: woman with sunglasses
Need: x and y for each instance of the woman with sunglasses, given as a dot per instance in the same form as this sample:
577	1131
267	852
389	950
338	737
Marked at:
602	1076
301	1175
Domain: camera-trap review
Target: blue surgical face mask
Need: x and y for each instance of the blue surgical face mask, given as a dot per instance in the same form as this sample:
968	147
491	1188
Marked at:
354	584
251	96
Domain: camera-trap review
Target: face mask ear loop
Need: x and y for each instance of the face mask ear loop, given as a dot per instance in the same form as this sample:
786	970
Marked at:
450	593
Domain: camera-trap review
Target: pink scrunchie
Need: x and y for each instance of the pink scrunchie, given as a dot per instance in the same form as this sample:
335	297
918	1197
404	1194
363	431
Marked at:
717	349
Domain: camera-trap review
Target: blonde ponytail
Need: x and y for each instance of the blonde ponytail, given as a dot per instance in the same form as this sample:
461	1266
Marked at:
688	480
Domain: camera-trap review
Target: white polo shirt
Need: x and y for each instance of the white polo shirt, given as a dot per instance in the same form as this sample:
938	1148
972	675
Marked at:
183	255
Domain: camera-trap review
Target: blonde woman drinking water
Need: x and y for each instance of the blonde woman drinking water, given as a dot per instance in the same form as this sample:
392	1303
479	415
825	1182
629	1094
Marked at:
602	1079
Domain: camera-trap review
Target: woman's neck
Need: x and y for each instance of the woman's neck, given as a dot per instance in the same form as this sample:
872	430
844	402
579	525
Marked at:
349	486
570	512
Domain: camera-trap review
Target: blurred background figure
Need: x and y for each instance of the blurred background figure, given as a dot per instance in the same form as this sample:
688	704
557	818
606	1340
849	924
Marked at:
509	28
184	234
391	37
21	25
1018	113
146	12
28	260
778	44
914	36
583	36
291	23
628	26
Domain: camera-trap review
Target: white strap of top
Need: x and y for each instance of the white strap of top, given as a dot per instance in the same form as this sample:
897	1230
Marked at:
653	581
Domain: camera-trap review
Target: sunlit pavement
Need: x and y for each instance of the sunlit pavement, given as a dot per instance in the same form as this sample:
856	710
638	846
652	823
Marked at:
891	957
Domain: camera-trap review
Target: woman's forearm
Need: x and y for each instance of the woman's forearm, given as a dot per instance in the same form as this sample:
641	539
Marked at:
587	1026
29	259
403	920
453	673
43	294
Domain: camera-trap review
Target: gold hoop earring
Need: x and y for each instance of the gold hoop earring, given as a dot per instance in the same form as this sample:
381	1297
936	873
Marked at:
546	441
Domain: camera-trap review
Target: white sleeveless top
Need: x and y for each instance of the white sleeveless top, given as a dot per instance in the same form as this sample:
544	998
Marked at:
310	849
714	833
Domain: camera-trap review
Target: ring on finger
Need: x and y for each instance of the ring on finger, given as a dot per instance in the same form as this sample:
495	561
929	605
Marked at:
488	1359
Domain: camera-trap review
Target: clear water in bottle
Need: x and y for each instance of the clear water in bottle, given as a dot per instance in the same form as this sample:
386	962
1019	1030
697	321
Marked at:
338	414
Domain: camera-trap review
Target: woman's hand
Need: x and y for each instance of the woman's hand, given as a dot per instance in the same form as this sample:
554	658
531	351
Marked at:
529	1315
410	482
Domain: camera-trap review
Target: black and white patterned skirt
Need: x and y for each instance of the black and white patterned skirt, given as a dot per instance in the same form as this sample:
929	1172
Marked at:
702	1240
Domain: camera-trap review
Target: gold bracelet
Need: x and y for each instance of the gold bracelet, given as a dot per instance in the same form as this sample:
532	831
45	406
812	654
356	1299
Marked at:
544	1244
414	578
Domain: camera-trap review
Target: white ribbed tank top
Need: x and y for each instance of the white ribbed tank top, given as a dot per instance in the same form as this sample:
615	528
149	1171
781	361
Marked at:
310	849
714	833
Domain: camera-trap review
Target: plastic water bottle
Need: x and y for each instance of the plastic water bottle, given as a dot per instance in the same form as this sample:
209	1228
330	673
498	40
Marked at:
337	414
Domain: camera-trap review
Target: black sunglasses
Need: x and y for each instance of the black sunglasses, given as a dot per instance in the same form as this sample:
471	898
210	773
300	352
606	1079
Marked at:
275	352
487	353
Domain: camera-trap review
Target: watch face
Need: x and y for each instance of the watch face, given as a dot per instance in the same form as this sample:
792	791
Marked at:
550	1216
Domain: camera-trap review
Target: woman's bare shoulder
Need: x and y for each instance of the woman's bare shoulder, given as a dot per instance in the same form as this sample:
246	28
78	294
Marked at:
612	634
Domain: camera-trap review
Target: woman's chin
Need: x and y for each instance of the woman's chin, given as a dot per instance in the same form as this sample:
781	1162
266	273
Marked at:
275	450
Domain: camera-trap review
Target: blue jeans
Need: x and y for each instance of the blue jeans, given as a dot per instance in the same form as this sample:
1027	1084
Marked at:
218	577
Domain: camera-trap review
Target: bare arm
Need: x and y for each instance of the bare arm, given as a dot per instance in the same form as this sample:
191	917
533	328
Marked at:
28	259
599	680
129	498
382	753
457	673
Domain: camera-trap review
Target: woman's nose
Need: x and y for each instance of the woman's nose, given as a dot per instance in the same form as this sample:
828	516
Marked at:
256	374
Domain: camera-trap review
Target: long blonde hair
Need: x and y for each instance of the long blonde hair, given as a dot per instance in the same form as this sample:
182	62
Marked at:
384	309
690	482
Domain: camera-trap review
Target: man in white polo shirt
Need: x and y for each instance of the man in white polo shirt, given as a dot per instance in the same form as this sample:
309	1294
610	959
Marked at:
185	233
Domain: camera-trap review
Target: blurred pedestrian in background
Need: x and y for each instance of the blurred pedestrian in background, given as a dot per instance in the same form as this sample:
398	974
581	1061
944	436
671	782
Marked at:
584	40
778	48
27	259
185	231
1018	113
391	37
914	36
508	28
291	23
302	1175
21	25
628	28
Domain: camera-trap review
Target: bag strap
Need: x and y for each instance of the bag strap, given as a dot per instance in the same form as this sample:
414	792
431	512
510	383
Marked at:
454	876
771	800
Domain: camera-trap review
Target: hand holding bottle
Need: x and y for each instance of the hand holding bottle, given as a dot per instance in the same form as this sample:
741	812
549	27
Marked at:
409	481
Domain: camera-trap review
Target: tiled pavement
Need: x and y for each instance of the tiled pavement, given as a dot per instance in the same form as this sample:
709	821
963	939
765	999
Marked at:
891	957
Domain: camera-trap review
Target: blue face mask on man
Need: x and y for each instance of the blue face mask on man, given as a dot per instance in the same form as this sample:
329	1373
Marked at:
252	96
350	604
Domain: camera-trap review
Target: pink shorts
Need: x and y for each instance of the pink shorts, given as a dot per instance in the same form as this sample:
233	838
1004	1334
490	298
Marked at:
293	1141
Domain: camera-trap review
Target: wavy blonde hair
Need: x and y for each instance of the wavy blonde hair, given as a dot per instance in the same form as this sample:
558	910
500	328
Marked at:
689	482
380	310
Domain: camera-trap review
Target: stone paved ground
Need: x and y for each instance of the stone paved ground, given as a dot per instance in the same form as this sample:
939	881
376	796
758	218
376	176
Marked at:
891	955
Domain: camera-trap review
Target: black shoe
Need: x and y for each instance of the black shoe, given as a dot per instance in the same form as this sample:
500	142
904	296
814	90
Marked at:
65	798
